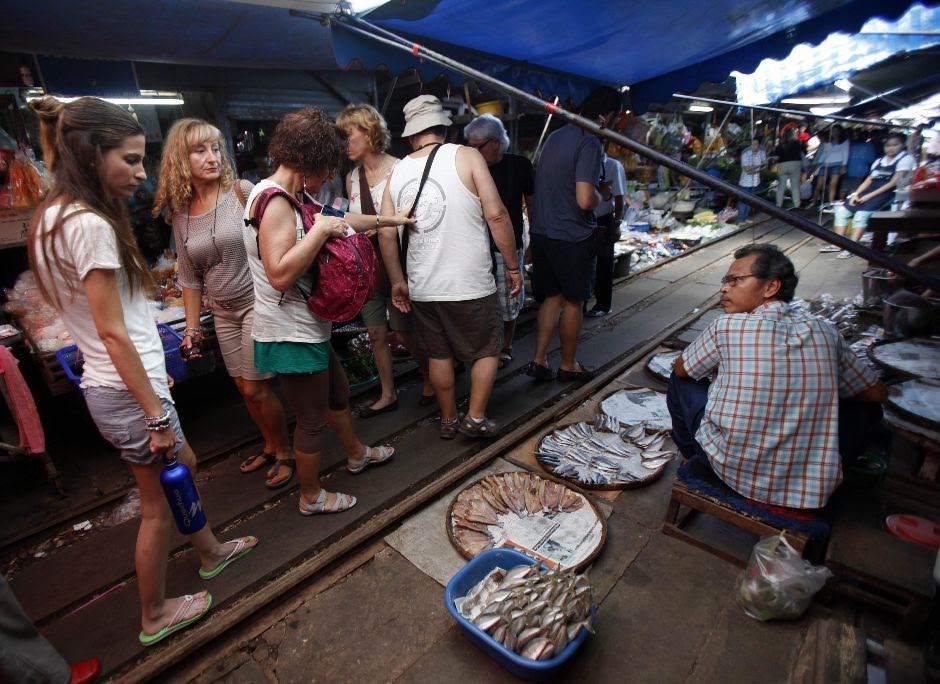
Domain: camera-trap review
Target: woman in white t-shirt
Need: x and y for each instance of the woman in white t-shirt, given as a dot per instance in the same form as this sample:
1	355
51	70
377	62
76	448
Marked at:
88	266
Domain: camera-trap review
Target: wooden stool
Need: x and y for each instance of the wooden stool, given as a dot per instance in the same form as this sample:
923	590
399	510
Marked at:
697	488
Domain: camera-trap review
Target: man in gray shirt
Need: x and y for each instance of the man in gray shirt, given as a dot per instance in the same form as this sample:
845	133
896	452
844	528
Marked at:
567	184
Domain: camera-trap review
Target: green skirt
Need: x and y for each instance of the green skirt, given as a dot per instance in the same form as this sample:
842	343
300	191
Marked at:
292	357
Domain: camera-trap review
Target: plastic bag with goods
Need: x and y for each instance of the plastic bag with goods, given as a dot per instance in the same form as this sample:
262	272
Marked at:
26	185
778	584
126	510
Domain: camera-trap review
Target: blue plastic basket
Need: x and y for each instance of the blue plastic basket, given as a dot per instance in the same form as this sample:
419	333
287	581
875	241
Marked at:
471	574
175	366
70	358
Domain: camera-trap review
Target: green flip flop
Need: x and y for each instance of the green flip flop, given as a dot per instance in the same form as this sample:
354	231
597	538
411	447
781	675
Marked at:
175	626
241	549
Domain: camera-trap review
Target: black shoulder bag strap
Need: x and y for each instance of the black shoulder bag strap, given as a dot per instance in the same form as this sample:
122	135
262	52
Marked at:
366	203
403	245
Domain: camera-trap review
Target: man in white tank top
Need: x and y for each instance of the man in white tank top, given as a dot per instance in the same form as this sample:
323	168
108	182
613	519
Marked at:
450	286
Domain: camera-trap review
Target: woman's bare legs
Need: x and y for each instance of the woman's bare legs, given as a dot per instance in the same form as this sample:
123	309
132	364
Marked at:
153	548
834	186
267	412
378	336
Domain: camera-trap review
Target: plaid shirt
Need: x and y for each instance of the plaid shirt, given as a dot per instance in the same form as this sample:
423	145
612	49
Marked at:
771	424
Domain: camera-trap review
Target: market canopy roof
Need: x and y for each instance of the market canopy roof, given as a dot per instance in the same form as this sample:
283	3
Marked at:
547	46
842	55
657	48
202	32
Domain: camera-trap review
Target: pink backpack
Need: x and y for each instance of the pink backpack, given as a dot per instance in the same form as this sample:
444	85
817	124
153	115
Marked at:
344	271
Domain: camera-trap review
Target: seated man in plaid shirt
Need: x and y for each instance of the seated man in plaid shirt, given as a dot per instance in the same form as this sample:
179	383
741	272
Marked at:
769	422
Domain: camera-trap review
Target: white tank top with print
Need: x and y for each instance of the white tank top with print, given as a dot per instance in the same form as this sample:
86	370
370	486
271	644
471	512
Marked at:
449	248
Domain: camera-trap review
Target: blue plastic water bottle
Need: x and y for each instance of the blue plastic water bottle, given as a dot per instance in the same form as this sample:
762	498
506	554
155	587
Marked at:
182	496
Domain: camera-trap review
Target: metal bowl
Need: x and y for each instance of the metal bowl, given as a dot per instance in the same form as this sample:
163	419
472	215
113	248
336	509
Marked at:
903	320
878	284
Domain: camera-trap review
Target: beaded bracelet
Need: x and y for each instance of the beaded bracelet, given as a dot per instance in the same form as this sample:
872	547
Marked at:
159	422
195	333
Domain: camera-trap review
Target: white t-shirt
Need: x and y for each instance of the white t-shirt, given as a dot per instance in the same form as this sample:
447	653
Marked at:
615	175
905	163
85	243
449	246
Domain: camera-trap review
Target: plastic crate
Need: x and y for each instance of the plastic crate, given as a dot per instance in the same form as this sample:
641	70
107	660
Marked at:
175	366
70	357
471	574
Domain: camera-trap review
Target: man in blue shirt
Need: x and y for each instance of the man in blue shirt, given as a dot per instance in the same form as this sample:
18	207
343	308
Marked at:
567	189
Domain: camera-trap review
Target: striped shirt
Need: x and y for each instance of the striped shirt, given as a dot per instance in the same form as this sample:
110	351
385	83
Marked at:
211	250
771	423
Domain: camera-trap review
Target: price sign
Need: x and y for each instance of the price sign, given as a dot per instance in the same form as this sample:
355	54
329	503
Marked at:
14	224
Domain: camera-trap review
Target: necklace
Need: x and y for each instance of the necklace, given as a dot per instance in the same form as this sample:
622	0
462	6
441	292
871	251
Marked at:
200	272
421	147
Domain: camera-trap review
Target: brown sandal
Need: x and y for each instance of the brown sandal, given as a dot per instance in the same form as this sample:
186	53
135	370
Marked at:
449	427
290	464
268	461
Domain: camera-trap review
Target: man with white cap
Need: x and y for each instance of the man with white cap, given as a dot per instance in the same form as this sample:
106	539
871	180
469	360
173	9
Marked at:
446	254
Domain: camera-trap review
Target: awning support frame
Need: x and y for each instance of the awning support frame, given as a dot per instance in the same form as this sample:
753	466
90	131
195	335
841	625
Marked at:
361	27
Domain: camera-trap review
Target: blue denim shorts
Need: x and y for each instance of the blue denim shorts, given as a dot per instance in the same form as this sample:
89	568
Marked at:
122	423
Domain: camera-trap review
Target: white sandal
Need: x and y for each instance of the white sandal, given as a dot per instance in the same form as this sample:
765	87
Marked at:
385	453
342	502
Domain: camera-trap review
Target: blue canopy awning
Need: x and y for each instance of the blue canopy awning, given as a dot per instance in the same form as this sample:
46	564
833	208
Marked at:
550	47
563	47
841	55
200	32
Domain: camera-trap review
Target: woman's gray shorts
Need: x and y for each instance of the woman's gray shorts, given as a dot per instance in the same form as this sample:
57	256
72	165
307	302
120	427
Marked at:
122	422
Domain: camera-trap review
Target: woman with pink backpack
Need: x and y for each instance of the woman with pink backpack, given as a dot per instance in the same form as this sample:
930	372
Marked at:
284	238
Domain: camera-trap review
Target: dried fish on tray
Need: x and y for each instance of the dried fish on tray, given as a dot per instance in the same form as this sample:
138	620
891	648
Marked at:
660	365
638	407
522	510
603	460
530	611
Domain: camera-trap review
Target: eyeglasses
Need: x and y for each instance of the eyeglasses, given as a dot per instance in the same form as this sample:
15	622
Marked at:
482	144
734	280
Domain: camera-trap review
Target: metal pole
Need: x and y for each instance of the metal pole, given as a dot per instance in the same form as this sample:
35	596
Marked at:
538	148
796	112
419	51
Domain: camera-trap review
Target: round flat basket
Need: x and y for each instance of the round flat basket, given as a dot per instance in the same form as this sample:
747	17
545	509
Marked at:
596	460
913	358
538	515
660	365
917	401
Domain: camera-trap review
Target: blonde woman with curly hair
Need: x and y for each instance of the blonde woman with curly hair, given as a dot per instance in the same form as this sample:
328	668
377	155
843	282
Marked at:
367	138
205	202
